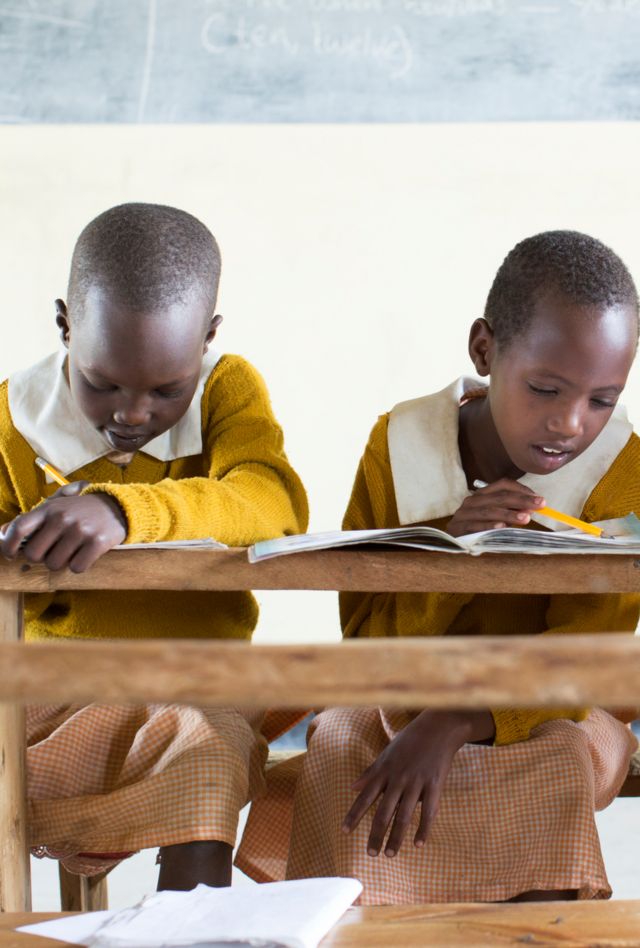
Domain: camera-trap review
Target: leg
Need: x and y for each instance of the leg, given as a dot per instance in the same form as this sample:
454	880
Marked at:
185	865
513	821
559	895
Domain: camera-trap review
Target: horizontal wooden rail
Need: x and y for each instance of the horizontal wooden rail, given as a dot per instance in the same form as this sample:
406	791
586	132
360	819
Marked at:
372	570
469	672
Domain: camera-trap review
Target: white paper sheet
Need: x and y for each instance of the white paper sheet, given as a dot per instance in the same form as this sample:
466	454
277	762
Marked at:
207	543
294	914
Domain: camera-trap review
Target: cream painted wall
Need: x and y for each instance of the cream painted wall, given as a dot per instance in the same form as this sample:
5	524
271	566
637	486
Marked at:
354	257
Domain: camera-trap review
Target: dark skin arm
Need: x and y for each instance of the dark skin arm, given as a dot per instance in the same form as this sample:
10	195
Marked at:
413	768
66	530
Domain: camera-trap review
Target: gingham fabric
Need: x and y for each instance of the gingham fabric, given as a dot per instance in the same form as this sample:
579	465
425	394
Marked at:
512	819
112	780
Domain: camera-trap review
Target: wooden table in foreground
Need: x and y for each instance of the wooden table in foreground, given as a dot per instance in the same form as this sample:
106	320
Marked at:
560	924
448	672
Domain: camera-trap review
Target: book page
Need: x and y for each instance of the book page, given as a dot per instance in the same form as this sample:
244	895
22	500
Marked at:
206	543
423	537
295	914
622	536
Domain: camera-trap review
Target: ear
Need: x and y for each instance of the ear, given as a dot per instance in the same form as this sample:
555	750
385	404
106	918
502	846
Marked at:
214	322
62	321
482	346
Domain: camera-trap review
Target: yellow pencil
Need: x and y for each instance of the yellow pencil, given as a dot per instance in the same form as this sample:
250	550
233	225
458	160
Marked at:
52	471
570	521
561	517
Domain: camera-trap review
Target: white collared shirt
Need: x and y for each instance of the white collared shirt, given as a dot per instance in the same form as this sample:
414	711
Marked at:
428	477
44	412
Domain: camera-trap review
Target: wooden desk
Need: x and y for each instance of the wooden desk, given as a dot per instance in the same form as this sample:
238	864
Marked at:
540	671
468	672
562	924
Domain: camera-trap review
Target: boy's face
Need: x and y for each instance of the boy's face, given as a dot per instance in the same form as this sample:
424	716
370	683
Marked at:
553	390
134	375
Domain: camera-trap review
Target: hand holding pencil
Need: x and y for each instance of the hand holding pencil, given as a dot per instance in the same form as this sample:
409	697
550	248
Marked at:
504	503
67	530
558	515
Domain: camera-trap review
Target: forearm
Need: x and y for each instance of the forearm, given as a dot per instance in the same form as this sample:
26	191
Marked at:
249	504
459	726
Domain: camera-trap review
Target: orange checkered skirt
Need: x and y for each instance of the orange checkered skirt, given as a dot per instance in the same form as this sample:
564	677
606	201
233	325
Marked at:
106	781
512	818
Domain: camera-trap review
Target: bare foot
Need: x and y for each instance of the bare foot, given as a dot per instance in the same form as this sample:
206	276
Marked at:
185	865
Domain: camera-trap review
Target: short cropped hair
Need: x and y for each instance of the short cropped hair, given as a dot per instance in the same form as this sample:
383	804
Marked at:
148	256
574	264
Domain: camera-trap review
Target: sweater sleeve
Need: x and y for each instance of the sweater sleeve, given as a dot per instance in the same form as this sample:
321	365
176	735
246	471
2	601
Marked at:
616	495
9	502
373	504
9	506
250	491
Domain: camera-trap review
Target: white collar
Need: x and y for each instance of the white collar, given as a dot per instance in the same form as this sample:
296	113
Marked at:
44	412
428	478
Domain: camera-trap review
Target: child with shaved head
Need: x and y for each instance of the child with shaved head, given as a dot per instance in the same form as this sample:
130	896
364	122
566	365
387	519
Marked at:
163	438
493	803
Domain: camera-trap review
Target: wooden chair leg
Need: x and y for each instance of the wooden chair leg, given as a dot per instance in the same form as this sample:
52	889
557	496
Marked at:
15	883
83	893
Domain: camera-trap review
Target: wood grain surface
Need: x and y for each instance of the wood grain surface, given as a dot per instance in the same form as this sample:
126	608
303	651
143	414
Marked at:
15	889
447	671
567	924
355	570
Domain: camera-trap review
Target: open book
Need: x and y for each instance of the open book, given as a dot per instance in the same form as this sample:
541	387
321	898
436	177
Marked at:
621	536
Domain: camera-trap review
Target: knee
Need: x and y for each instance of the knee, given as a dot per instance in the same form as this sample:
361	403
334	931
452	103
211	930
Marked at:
346	734
574	776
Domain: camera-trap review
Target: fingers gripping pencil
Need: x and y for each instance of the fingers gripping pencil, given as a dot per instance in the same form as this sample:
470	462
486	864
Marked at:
559	516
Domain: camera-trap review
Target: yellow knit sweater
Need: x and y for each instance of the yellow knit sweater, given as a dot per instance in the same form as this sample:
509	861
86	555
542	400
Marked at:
240	489
373	504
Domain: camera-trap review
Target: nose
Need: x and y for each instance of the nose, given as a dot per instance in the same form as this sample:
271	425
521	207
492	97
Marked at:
135	412
567	421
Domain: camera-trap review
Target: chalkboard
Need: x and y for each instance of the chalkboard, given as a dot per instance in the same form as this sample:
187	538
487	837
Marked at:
319	60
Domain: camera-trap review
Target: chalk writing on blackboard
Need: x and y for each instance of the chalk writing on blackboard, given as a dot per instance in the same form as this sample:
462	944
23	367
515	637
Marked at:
319	60
388	48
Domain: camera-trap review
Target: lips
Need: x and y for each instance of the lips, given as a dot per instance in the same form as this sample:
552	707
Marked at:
125	440
551	456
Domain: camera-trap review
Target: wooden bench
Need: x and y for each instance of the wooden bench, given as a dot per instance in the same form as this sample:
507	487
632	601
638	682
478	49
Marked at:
601	669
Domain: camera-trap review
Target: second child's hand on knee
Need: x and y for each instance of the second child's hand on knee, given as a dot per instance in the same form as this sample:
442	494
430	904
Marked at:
505	503
66	530
411	771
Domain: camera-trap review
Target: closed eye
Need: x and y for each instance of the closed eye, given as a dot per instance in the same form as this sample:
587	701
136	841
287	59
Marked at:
175	394
98	388
537	390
